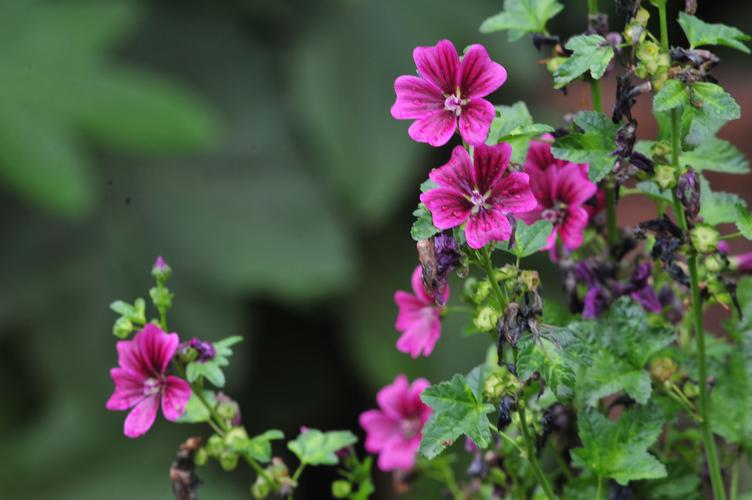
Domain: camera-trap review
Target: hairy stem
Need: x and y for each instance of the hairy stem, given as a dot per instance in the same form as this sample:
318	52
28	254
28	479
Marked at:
530	447
488	267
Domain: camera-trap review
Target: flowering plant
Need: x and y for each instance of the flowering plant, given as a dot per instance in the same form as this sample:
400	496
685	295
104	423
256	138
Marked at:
622	389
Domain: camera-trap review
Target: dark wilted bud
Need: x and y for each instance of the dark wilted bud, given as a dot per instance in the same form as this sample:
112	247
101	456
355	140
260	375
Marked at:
509	325
597	301
690	7
625	139
478	467
506	407
438	257
627	7
619	492
641	162
540	40
183	476
698	58
688	192
598	24
674	309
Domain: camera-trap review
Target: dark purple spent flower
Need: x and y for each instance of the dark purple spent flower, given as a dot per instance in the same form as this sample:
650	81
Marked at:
585	273
506	407
205	350
596	302
447	252
688	192
672	303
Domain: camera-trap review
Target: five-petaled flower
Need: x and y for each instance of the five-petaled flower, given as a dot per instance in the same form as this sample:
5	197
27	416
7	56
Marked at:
394	430
477	191
447	90
141	382
561	188
419	318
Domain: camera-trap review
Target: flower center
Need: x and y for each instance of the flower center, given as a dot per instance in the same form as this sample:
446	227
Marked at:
410	427
555	215
454	103
152	386
478	200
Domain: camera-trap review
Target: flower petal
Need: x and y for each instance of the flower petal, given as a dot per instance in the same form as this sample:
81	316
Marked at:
478	74
391	398
399	453
490	164
539	154
513	195
572	186
457	173
379	429
141	417
417	406
435	129
485	226
416	98
448	207
130	358
439	65
420	337
416	281
647	298
176	394
410	310
157	347
129	389
542	182
572	227
475	121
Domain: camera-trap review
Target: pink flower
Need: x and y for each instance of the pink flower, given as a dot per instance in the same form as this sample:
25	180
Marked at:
141	383
561	188
447	89
419	318
394	430
741	262
478	192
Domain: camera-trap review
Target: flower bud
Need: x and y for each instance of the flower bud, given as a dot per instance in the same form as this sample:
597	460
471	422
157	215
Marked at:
215	446
715	263
228	409
485	320
665	176
482	291
530	280
691	390
228	460
493	388
122	328
662	369
237	438
688	192
161	271
161	296
704	238
260	489
341	488
200	457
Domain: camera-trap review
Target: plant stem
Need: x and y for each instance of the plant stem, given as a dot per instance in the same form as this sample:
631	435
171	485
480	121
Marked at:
488	267
530	446
613	231
731	236
735	477
716	479
599	493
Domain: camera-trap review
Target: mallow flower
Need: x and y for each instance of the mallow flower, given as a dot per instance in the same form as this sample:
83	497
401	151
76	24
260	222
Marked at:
448	90
478	192
561	188
394	430
419	317
141	382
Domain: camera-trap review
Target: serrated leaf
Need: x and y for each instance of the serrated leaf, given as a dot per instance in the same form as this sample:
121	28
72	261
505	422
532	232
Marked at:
618	450
712	108
718	207
554	357
520	17
314	447
716	155
514	125
135	313
590	53
259	447
195	411
423	227
528	239
212	369
458	409
744	221
595	145
700	33
653	191
672	95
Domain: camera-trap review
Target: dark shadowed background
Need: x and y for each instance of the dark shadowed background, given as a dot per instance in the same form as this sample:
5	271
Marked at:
250	143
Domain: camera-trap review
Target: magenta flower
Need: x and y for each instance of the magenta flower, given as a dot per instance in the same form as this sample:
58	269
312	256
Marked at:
446	90
394	430
419	318
561	189
478	192
141	383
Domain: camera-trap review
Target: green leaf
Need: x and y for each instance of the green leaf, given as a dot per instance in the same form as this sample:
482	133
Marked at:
595	145
458	408
423	227
718	207
195	411
672	95
76	91
716	155
259	447
514	125
528	239
590	52
135	313
618	450
744	221
623	343
554	356
520	17
212	369
711	108
700	33
314	447
653	191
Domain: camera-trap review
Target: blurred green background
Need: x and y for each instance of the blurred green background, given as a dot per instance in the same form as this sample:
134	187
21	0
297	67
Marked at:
250	143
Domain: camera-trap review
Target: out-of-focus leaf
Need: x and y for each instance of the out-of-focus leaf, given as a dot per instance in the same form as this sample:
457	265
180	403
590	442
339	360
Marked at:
314	447
700	33
595	145
589	53
744	221
54	91
718	207
716	155
514	125
195	411
528	239
520	17
423	227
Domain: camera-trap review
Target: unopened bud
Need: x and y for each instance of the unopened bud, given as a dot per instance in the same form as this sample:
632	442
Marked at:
200	457
530	280
341	488
161	270
485	320
691	390
714	263
704	238
122	328
228	460
215	446
662	369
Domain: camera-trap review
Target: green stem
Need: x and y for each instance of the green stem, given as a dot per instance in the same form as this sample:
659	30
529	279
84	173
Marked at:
562	463
530	446
664	25
592	6
735	477
599	493
731	236
451	482
613	230
488	266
